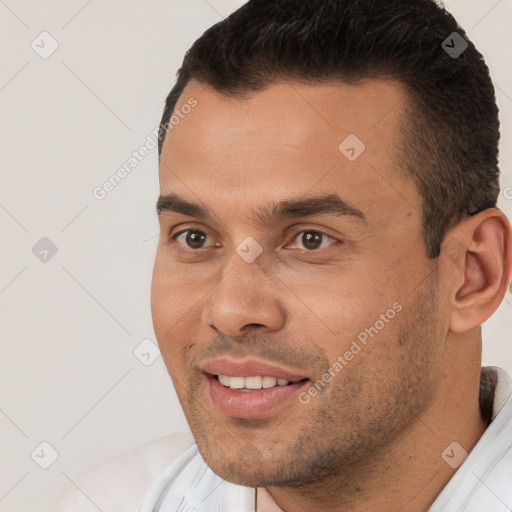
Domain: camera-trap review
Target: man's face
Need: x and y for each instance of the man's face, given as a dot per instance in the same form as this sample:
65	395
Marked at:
342	305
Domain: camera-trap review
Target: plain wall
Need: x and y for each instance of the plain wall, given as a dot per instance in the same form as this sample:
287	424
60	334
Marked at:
70	325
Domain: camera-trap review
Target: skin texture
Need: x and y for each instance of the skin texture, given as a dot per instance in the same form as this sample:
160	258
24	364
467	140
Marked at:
373	438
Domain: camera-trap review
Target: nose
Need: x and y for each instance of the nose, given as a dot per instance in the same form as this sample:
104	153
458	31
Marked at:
245	297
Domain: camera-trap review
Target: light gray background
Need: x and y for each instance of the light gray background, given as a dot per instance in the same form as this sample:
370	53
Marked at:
70	325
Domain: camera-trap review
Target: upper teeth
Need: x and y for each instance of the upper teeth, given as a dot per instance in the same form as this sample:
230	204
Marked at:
251	382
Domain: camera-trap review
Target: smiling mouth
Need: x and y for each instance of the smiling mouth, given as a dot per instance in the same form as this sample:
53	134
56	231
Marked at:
254	383
253	396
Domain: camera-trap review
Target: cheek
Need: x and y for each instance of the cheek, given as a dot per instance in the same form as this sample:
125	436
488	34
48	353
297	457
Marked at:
162	310
341	305
168	296
168	310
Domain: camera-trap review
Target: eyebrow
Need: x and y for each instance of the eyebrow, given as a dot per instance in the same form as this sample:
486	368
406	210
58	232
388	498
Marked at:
328	204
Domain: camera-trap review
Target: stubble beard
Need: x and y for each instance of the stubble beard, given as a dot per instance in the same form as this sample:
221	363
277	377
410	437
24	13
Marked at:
350	425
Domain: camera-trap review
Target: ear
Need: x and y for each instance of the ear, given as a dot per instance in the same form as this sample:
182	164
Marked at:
480	250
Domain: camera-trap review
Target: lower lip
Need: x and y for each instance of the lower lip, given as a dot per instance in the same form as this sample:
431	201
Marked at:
251	404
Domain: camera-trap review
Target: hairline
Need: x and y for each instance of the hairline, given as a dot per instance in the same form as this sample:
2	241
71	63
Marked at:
413	127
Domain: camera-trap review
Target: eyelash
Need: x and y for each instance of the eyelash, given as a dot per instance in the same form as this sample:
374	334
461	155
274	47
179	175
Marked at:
173	237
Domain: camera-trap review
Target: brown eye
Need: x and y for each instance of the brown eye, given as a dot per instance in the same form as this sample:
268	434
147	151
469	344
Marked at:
193	238
312	240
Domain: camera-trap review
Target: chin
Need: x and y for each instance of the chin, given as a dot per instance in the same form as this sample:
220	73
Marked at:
247	477
243	465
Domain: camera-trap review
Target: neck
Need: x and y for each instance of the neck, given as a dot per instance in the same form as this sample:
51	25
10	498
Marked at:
408	474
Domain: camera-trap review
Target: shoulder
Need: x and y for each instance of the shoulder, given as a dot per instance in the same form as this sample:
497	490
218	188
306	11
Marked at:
119	484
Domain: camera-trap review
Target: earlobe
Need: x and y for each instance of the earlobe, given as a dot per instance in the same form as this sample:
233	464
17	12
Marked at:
481	250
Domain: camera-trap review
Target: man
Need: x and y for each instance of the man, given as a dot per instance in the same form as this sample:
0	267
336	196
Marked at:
330	246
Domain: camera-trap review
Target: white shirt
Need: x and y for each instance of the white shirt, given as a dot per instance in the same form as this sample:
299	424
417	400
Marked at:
169	475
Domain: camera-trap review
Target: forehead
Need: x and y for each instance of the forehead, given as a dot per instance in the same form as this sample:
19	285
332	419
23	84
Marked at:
289	140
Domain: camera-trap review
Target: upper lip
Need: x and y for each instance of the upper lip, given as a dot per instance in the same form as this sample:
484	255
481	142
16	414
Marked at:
248	368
